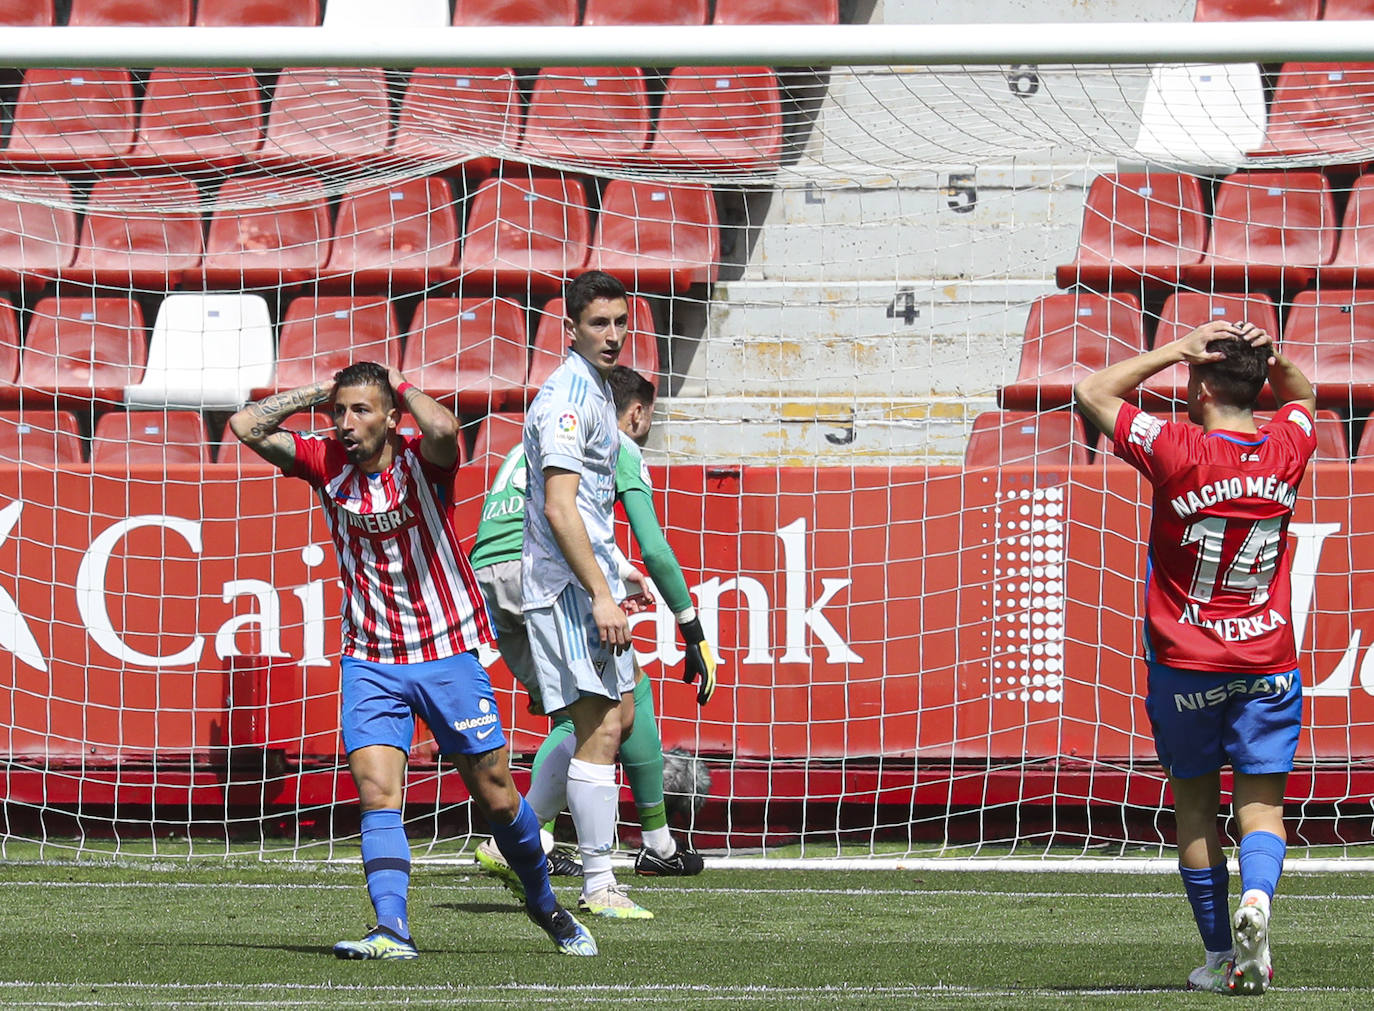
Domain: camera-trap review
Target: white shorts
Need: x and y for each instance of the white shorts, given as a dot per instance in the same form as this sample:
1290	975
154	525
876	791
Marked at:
569	656
500	583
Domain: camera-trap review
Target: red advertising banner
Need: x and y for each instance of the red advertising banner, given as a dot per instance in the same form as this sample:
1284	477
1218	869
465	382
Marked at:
867	612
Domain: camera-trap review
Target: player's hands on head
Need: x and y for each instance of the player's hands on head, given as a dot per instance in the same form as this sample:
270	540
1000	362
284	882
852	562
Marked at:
1256	337
1193	346
699	664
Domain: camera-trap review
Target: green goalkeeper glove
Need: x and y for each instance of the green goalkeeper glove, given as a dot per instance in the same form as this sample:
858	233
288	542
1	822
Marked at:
700	662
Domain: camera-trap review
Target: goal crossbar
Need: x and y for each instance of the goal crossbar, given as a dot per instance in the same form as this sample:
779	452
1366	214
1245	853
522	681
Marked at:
774	45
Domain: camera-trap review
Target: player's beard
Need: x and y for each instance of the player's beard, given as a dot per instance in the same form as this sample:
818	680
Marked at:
364	451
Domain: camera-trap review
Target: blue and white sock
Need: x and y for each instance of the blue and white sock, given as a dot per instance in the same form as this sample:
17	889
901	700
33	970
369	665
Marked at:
519	843
386	862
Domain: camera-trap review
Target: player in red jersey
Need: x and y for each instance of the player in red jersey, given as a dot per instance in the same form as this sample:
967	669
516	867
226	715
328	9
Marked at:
1223	683
412	616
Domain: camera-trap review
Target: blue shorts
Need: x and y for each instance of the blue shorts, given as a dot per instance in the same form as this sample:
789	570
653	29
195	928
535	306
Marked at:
1204	720
452	695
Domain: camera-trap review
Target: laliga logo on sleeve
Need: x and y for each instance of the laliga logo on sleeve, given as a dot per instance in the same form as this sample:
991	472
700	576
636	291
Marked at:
565	429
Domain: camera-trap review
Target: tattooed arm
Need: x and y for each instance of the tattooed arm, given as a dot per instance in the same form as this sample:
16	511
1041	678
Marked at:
258	425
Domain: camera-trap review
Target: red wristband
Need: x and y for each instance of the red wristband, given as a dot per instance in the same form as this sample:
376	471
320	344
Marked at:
405	385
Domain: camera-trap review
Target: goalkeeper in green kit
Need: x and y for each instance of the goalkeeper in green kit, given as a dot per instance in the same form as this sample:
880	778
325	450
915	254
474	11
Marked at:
496	560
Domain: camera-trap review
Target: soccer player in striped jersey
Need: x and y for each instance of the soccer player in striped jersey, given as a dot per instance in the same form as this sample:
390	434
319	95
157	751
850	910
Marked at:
1221	661
496	561
412	617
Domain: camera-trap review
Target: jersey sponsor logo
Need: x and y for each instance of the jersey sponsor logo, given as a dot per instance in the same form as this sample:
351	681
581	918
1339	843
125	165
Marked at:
1233	629
379	523
1144	430
1278	684
1255	486
514	505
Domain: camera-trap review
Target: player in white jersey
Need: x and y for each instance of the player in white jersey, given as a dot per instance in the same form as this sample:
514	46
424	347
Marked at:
571	586
412	616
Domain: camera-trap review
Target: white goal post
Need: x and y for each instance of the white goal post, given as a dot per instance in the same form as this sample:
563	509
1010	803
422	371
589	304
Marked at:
847	247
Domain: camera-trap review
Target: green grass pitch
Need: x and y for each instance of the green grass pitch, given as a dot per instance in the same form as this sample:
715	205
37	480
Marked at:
168	934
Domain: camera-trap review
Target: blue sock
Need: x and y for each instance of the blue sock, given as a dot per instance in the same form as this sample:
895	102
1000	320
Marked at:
519	844
1261	861
386	862
1207	890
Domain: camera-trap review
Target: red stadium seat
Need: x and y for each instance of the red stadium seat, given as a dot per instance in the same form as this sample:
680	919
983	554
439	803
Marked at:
1044	440
551	342
526	233
9	352
267	232
328	116
395	237
1348	10
596	115
1185	311
777	12
515	12
474	351
321	335
497	435
720	117
1321	109
199	117
73	118
37	229
89	348
225	13
645	12
657	237
160	438
1067	338
108	13
27	13
1364	452
39	438
456	115
1354	260
1327	337
1138	226
1268	229
1257	10
137	234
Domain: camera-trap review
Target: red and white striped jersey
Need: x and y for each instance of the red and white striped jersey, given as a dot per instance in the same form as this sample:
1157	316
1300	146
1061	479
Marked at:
409	592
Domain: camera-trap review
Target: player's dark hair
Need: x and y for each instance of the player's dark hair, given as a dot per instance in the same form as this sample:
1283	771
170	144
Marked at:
1237	379
365	374
586	288
629	387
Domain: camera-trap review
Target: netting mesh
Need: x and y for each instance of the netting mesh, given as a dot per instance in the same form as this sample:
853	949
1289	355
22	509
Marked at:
863	294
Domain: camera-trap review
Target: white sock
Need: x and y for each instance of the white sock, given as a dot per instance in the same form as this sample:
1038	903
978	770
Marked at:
548	794
1258	897
592	796
661	841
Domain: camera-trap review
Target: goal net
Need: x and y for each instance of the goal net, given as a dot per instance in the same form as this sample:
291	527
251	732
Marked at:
863	294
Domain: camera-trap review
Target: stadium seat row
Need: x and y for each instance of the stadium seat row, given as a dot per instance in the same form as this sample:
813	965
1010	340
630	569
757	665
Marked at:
710	117
217	351
1266	230
424	13
1069	336
162	438
1060	438
1283	10
526	232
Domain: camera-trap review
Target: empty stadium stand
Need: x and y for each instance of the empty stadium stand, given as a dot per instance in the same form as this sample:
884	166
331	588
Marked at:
515	12
291	13
199	117
85	348
327	116
720	117
471	353
1068	337
398	236
161	438
599	115
1320	110
776	12
1257	10
108	13
1043	439
1138	227
275	239
207	352
39	438
1327	336
497	435
526	233
136	233
72	118
1354	260
448	116
645	12
321	334
37	229
657	237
